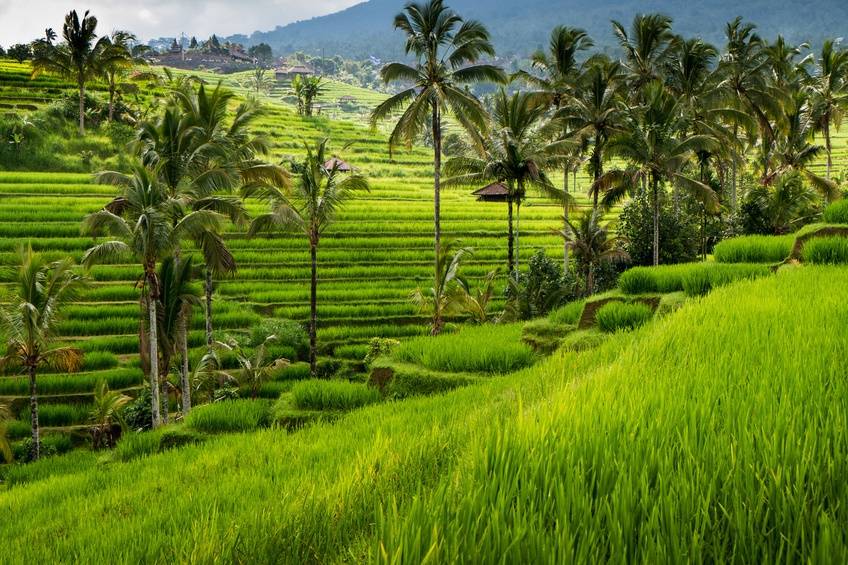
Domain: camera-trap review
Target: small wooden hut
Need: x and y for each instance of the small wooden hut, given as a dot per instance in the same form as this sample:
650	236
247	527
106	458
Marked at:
495	192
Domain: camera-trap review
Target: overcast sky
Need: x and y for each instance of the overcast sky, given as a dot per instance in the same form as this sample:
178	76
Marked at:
24	20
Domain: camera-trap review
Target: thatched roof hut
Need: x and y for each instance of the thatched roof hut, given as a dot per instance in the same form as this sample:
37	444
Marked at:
338	164
495	192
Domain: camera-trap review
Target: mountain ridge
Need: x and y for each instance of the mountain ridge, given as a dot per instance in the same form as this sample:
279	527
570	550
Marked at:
517	29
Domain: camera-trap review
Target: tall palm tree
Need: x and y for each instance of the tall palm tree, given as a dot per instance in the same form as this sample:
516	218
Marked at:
78	58
446	49
560	72
592	245
141	221
745	70
513	154
653	141
646	49
309	208
828	88
117	60
30	320
595	113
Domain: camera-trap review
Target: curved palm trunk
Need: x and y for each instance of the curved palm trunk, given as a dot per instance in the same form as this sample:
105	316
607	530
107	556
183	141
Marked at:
81	107
510	254
154	353
35	452
207	288
313	308
565	221
437	170
655	190
733	170
827	146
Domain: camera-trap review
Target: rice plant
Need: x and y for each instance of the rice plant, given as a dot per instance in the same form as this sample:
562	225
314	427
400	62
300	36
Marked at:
322	394
617	315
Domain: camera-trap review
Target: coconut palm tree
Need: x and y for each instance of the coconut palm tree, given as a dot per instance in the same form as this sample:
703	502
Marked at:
595	113
828	89
78	58
30	319
446	49
653	141
306	90
447	295
117	60
309	208
646	49
592	245
514	155
560	72
142	222
106	414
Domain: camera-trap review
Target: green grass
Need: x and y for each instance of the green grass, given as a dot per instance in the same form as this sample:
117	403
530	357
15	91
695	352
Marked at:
491	349
661	445
568	314
826	250
230	416
671	278
323	394
836	212
754	249
615	316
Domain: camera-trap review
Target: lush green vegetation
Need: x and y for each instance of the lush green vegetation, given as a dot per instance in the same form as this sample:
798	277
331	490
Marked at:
754	249
826	251
316	394
673	278
616	316
836	212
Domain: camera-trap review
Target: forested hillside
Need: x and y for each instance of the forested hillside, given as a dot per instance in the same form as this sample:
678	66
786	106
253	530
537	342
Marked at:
520	27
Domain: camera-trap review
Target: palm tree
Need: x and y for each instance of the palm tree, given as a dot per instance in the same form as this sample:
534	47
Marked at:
306	90
446	296
476	301
514	155
255	368
828	89
117	60
105	414
592	245
5	446
142	222
560	71
310	208
177	299
30	320
595	112
646	49
446	50
653	141
78	58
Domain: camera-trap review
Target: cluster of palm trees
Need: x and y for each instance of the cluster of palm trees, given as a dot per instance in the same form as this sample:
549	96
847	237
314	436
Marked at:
82	57
671	115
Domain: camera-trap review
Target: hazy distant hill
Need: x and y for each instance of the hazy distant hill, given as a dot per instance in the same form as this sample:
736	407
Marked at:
520	26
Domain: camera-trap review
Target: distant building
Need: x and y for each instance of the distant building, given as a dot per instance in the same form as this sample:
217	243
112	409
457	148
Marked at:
289	72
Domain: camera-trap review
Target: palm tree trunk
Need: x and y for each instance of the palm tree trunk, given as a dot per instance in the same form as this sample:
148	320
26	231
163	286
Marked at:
111	102
313	309
656	222
828	147
517	235
154	353
35	452
184	384
733	170
565	220
81	107
207	288
437	169
596	158
590	280
510	254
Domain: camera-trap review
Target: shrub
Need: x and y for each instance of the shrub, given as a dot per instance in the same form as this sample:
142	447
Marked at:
379	347
320	394
679	233
493	349
754	249
826	250
230	416
51	444
837	212
617	316
541	288
138	414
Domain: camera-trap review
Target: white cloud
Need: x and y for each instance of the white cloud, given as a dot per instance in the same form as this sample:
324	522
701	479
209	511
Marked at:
24	20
